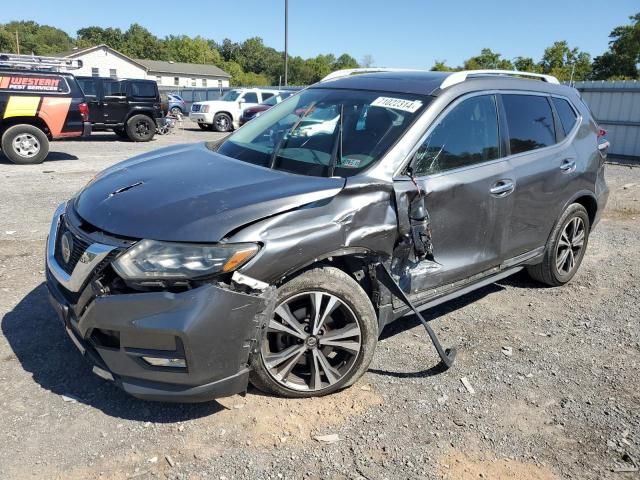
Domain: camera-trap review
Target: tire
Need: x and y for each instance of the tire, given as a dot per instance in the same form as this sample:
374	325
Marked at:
121	132
222	122
205	126
140	128
565	237
25	144
175	111
352	312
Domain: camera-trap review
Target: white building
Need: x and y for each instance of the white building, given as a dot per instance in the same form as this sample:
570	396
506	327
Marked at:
104	61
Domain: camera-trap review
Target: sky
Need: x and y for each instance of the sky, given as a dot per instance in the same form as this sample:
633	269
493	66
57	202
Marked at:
396	33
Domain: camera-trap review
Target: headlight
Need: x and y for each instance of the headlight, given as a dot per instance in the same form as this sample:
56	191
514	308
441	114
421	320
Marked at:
204	109
149	259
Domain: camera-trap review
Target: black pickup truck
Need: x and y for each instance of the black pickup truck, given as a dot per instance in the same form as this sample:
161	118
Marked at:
131	108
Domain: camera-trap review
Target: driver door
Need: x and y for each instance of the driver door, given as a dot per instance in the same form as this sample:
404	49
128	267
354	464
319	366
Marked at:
465	186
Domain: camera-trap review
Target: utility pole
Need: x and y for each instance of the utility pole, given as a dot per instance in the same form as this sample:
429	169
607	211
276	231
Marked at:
286	42
17	43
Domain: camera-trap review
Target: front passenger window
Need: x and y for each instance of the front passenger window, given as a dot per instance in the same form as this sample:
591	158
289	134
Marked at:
467	135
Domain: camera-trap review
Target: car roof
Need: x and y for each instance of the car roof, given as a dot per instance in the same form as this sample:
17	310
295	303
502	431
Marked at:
418	82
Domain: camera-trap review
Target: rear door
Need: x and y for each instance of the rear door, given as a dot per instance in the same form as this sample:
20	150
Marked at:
91	89
467	187
114	101
544	162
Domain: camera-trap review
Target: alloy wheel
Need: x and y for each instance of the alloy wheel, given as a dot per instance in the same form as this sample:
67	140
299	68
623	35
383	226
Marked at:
570	246
313	340
222	123
26	145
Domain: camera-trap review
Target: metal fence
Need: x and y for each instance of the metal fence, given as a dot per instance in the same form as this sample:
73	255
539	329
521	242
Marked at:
616	106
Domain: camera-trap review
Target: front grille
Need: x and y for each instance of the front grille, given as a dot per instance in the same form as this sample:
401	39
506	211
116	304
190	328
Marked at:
79	247
195	107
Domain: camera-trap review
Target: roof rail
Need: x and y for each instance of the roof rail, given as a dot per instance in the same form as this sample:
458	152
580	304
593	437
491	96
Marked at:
355	71
36	62
459	77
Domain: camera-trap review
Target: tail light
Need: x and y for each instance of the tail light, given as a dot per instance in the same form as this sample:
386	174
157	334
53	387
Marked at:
601	132
84	111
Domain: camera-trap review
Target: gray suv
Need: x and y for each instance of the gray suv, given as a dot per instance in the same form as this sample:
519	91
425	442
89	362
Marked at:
277	255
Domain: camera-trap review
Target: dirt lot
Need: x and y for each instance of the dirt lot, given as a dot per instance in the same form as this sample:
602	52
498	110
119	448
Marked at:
564	404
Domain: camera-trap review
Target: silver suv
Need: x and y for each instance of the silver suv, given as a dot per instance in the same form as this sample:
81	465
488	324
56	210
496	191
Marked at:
278	254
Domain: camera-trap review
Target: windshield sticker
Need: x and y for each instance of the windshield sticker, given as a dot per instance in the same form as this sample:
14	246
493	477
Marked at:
397	104
350	162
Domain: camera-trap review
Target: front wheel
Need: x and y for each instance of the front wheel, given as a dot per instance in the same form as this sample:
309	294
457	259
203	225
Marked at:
222	122
175	111
321	337
25	144
140	128
565	248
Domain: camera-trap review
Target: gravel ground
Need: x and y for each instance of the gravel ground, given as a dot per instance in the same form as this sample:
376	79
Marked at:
555	372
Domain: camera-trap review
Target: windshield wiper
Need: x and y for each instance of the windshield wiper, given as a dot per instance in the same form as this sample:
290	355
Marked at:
337	144
281	142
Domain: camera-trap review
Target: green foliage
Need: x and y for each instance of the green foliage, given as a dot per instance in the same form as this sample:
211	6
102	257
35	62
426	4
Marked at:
488	60
441	66
623	57
34	38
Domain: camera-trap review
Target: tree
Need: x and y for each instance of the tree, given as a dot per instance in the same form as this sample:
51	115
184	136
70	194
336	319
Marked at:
441	66
367	61
190	50
526	64
141	43
91	36
34	38
566	63
488	60
623	57
345	61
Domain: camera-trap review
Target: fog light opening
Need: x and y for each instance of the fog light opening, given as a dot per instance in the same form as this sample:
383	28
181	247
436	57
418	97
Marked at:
166	362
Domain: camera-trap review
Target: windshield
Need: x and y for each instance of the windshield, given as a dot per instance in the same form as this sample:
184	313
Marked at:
231	96
325	132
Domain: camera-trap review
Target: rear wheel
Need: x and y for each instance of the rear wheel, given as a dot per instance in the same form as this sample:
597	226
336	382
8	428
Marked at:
222	122
140	128
25	144
175	111
321	337
565	248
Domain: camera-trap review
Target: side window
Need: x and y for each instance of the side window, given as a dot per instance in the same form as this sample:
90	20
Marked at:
143	89
266	95
566	113
467	135
88	87
530	122
251	97
113	89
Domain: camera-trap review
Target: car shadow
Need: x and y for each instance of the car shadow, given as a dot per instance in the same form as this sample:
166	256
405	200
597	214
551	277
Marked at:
411	321
39	343
51	157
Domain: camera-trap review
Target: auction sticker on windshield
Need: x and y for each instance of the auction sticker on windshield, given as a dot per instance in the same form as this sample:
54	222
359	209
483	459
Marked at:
397	104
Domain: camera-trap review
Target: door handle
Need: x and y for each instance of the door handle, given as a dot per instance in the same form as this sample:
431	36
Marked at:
568	165
502	188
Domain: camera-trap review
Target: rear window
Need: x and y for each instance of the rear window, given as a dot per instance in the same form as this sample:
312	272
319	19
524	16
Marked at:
143	89
566	113
88	86
530	122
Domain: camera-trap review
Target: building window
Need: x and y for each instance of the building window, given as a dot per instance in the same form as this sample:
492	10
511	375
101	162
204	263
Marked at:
95	72
176	81
204	82
219	83
193	82
113	73
159	79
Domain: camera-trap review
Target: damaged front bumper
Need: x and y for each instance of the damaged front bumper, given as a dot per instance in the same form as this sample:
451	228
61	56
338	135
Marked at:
190	346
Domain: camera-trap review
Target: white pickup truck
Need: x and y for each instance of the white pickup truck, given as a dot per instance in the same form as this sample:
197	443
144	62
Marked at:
224	115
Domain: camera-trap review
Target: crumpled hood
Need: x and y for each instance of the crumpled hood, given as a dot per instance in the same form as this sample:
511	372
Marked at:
189	193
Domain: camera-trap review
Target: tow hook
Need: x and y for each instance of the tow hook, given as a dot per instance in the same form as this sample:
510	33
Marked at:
447	356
